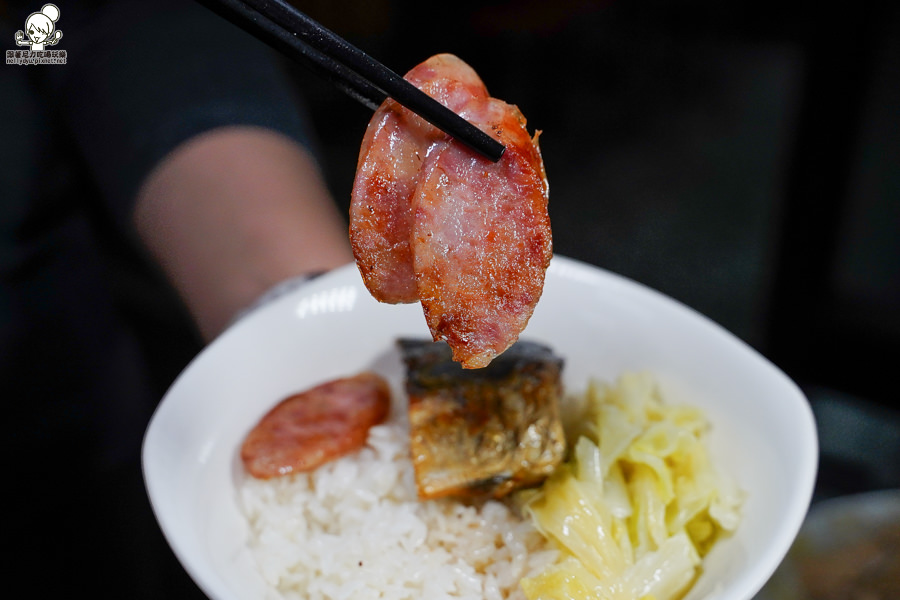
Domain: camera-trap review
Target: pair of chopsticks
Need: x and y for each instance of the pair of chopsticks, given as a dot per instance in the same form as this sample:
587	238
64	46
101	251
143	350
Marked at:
282	26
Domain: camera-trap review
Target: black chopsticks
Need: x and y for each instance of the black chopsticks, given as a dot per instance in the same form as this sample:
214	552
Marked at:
280	25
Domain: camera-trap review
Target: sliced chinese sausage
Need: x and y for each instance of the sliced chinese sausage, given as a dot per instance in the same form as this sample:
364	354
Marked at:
390	160
482	239
431	220
316	426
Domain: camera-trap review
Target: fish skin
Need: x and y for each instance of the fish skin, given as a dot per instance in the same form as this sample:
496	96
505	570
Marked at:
482	433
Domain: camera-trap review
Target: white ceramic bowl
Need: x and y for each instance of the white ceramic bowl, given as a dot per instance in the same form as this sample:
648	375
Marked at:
602	324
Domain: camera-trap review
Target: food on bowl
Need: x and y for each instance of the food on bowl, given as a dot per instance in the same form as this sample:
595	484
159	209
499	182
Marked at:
633	509
482	432
355	528
434	222
306	430
638	502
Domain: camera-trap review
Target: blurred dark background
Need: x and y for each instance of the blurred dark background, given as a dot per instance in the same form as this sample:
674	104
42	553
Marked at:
740	157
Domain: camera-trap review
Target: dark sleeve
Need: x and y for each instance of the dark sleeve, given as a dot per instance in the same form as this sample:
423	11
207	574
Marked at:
143	77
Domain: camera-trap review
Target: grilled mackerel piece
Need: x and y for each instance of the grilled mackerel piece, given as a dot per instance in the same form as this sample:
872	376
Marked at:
478	433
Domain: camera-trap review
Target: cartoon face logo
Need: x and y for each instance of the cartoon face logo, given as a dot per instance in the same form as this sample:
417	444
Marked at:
40	27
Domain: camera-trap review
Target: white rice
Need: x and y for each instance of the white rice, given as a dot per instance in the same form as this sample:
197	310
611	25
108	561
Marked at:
355	529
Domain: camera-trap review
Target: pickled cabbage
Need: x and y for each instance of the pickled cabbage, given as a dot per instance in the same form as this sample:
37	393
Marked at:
636	504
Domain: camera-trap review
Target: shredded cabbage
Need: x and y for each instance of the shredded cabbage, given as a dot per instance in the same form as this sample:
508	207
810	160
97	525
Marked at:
637	503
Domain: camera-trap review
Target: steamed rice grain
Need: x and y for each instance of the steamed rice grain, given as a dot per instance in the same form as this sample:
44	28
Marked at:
354	528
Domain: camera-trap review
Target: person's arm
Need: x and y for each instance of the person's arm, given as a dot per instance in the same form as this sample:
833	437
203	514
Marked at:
234	211
193	132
